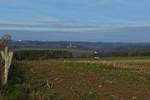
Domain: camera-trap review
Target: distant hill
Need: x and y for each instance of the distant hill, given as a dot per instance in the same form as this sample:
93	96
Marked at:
100	46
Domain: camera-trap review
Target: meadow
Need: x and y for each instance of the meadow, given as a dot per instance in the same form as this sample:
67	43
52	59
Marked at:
65	79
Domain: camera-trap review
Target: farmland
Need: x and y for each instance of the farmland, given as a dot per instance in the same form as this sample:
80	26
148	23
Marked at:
74	50
65	79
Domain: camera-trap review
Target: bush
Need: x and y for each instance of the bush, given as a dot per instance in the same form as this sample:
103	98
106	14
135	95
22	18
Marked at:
15	89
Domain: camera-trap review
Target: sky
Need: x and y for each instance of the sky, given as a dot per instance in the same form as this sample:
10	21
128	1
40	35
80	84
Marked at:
76	20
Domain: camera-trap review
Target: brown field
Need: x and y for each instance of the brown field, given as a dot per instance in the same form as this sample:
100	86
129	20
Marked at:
87	79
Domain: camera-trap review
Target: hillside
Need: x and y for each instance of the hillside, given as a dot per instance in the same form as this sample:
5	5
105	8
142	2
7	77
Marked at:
102	46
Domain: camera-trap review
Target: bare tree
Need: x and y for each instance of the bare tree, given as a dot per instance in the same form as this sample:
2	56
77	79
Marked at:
5	40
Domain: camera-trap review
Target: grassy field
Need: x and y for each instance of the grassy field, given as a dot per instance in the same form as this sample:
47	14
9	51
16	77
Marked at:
83	80
126	58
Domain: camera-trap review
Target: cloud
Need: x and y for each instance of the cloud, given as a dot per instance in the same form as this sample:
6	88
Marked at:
51	23
53	26
48	23
56	25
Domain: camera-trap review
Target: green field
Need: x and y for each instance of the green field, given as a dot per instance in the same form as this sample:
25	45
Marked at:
80	80
126	58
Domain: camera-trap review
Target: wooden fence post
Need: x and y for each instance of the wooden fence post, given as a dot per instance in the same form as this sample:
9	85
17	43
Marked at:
1	65
7	57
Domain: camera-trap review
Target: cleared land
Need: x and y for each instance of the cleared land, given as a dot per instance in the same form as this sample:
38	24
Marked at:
86	79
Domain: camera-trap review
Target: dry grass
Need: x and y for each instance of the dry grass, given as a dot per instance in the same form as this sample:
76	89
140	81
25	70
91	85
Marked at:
87	80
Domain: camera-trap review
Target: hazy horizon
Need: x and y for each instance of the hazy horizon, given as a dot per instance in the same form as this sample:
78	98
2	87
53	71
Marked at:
86	20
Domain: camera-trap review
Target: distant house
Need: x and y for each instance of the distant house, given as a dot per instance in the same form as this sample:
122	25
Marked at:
96	55
19	40
95	52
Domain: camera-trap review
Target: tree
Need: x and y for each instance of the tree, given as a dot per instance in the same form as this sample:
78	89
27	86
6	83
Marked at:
5	40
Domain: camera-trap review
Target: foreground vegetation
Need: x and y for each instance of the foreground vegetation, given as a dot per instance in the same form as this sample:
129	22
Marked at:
15	89
79	80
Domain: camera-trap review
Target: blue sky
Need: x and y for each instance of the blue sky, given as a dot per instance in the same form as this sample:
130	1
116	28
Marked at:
77	20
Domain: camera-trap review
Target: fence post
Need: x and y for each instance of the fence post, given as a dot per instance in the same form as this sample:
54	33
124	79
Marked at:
1	65
7	57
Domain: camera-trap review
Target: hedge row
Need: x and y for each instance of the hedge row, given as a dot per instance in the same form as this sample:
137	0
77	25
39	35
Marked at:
41	54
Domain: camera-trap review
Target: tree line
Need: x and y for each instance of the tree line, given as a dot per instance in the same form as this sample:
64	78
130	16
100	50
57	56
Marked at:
41	54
